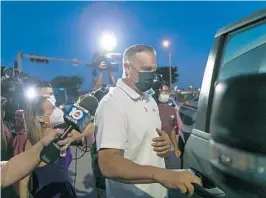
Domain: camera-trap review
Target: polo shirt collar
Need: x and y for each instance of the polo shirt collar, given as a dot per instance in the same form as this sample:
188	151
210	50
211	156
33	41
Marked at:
129	91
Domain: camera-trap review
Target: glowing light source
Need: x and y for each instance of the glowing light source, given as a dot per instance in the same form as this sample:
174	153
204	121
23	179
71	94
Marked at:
108	41
166	44
31	93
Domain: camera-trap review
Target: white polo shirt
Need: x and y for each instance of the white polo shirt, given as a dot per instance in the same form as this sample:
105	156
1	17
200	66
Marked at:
126	120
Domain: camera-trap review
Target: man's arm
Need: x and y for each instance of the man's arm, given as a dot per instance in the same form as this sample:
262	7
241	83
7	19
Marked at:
99	81
111	140
174	138
111	78
116	167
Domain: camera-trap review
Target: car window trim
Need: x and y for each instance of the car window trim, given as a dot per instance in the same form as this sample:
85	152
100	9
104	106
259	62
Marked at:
217	64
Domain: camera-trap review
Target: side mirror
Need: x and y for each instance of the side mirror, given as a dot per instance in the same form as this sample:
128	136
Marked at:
238	116
238	131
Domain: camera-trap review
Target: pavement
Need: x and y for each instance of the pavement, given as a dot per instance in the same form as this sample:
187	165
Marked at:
81	174
82	171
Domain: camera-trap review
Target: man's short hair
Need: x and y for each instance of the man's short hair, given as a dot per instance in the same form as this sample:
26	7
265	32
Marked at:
134	49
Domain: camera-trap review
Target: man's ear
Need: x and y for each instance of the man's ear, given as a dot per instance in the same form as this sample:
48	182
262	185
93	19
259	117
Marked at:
126	68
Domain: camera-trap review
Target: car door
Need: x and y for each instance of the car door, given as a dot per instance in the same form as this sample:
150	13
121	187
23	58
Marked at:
229	43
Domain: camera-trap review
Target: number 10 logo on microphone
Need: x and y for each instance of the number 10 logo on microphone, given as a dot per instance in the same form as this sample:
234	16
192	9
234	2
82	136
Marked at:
76	114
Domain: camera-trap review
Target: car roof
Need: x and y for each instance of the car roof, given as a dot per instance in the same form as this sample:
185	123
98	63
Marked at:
241	23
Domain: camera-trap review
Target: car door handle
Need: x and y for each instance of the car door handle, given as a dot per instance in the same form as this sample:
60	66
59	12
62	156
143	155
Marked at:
202	192
205	192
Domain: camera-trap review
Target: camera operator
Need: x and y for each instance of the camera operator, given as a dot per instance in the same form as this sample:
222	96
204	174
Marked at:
103	66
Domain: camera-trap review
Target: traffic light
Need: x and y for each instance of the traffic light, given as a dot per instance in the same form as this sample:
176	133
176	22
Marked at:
39	60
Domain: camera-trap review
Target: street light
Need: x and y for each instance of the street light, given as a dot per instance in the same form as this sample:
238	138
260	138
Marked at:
108	41
166	44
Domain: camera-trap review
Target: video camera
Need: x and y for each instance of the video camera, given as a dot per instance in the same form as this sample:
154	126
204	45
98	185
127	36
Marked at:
12	90
106	61
14	93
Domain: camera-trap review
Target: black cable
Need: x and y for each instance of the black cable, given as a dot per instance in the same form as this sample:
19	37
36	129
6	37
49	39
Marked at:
85	149
76	168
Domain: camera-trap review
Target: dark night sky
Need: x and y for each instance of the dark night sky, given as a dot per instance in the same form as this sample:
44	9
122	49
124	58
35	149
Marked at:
71	30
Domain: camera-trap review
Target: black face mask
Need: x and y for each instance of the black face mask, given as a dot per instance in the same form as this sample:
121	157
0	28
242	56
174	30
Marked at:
145	80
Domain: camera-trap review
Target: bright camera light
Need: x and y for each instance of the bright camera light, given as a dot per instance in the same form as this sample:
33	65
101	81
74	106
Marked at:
166	43
108	41
31	92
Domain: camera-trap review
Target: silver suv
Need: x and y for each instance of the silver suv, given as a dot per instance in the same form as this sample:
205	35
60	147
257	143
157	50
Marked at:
227	146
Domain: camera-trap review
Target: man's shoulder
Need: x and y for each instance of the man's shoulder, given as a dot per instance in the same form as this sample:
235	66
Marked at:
152	101
111	99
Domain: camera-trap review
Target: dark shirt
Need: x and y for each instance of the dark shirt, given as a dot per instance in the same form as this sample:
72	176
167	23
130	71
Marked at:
98	177
168	116
52	180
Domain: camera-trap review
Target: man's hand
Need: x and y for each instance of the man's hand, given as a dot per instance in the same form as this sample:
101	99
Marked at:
177	153
103	65
181	179
161	145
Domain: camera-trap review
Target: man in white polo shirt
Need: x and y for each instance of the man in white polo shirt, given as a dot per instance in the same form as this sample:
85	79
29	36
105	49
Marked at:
129	141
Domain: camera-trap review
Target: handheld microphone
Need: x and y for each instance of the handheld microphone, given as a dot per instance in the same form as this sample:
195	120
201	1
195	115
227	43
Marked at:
100	93
77	118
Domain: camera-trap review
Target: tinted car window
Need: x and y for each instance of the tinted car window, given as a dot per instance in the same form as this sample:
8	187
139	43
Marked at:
244	53
182	112
187	115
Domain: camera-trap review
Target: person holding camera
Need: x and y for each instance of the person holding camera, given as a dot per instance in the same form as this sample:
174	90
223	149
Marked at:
130	143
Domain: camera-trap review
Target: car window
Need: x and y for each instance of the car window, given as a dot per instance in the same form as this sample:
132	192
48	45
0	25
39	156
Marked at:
187	115
244	53
182	112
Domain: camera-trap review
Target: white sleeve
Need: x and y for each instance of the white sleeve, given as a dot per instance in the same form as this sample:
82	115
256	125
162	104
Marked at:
110	126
